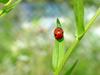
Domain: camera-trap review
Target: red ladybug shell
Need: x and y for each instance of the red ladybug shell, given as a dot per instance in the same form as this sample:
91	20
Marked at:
58	33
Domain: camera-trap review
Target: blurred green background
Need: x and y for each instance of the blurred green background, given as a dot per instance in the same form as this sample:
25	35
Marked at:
26	38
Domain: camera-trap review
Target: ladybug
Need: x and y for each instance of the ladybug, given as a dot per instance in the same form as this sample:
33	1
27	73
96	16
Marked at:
58	33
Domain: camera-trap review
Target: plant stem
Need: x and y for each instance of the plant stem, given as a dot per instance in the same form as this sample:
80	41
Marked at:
92	20
8	3
75	43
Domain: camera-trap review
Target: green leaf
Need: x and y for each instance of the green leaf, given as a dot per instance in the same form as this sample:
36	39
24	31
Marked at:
8	8
69	72
58	23
55	55
61	51
67	55
58	52
4	1
79	16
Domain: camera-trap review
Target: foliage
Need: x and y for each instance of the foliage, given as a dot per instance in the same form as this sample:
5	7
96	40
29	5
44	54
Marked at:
4	1
81	30
37	62
8	6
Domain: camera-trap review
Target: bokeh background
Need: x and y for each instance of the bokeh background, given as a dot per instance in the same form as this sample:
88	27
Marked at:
26	38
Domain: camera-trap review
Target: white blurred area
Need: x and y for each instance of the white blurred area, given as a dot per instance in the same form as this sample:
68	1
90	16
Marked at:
43	28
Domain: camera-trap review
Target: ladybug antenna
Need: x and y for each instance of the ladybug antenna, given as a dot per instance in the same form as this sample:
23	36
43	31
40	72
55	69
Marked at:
58	23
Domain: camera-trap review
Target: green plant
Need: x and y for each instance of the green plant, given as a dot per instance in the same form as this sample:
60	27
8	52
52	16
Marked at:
8	6
59	56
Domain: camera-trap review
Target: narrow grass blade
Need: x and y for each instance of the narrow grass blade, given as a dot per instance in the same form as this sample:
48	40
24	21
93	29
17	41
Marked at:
58	52
67	55
61	51
69	72
61	45
92	20
79	16
55	55
4	1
